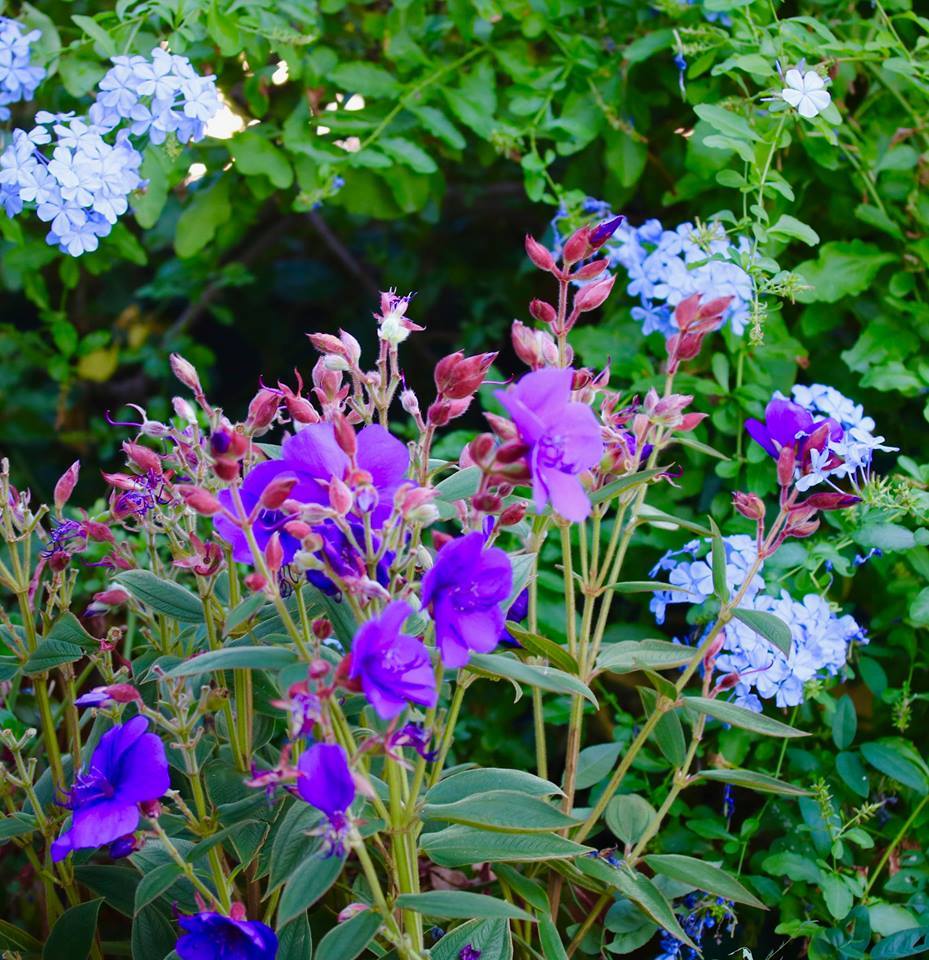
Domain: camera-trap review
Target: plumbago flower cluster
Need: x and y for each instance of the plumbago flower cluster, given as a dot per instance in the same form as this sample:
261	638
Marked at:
77	172
19	78
257	714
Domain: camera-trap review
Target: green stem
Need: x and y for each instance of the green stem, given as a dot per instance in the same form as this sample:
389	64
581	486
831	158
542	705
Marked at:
901	833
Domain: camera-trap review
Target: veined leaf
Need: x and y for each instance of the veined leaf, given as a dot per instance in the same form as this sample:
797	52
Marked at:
741	717
49	654
702	875
311	880
73	934
345	941
545	678
507	811
641	891
467	783
235	658
754	781
459	845
630	656
766	625
644	586
543	647
623	484
461	905
490	937
163	596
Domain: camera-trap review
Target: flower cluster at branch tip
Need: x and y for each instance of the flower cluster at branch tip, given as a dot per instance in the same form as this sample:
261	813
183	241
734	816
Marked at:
78	172
18	77
212	936
819	647
805	90
667	266
127	768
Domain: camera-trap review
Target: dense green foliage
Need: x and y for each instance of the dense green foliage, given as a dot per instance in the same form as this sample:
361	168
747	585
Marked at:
469	124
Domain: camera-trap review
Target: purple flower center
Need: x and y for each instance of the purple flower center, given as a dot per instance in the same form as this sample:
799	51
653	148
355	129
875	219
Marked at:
89	786
551	451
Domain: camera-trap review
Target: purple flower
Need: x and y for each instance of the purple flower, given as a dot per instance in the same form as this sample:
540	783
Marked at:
393	668
211	936
563	437
325	780
314	457
344	559
468	952
519	610
413	735
127	768
465	589
786	422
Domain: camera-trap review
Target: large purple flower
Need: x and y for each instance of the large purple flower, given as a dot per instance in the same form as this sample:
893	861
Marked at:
465	588
786	423
343	559
211	936
393	668
563	437
314	458
325	780
127	768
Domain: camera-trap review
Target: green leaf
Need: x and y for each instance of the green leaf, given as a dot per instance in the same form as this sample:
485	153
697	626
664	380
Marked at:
50	654
156	882
224	30
629	816
885	756
545	678
741	717
292	844
853	773
459	846
503	810
702	875
641	891
885	536
163	596
529	890
73	934
623	484
792	865
794	229
117	885
461	905
235	658
295	940
837	895
467	783
490	937
550	940
595	762
460	485
97	33
630	656
439	125
767	625
197	225
844	723
68	627
365	78
543	647
729	124
843	268
754	781
718	556
408	153
345	941
255	155
644	586
16	825
310	881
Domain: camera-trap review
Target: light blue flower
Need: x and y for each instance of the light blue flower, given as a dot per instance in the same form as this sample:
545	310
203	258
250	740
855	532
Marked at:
18	77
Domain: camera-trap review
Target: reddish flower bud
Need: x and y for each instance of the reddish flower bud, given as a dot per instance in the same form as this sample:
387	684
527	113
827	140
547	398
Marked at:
503	428
122	481
487	502
299	408
603	231
199	500
511	452
592	296
749	505
274	553
186	372
439	539
123	693
786	462
298	529
442	411
142	457
262	410
322	630
255	582
542	311
690	421
66	484
458	376
576	246
410	403
513	514
340	497
345	436
829	501
326	343
591	270
98	532
112	597
277	491
541	257
482	450
343	675
227	470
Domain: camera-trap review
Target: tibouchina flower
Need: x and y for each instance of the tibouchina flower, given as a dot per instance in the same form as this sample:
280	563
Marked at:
806	92
314	458
394	669
211	936
127	768
465	589
325	782
784	423
563	437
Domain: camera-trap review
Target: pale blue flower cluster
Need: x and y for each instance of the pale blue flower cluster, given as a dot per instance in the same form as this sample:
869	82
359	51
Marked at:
819	648
78	172
857	443
689	570
819	638
18	78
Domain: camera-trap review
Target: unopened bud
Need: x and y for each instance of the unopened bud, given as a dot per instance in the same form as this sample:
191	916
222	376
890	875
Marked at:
576	246
262	411
457	377
410	403
141	457
749	505
592	296
539	255
184	409
112	597
602	232
226	470
277	491
482	450
345	436
591	270
199	500
512	514
786	462
255	582
322	630
298	529
274	553
340	497
830	501
487	502
542	311
186	372
66	484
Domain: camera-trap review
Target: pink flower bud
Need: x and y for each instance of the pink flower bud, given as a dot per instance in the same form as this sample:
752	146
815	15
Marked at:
274	553
122	481
299	408
123	693
829	501
186	372
591	270
98	532
603	231
691	420
345	436
142	457
322	630
541	257
786	462
410	403
226	470
592	296
112	597
458	376
66	484
298	529
340	497
262	410
184	410
327	343
749	505
487	502
542	311
576	246
199	500
277	491
482	450
513	514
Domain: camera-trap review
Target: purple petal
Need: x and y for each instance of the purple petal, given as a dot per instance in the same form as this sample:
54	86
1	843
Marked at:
97	824
385	457
567	494
759	433
144	771
784	419
325	780
314	451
